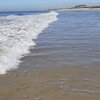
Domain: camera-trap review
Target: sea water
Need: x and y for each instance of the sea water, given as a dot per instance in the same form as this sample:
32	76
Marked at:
17	34
72	39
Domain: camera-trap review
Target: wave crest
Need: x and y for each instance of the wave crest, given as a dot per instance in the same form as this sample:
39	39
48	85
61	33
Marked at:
17	34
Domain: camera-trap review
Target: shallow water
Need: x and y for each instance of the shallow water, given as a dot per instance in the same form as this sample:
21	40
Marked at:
72	40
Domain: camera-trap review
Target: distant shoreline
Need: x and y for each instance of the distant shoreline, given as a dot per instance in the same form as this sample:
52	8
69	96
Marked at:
78	9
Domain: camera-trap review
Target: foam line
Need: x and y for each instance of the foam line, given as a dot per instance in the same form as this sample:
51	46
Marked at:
17	35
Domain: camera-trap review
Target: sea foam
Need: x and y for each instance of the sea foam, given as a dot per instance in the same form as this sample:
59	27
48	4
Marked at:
17	35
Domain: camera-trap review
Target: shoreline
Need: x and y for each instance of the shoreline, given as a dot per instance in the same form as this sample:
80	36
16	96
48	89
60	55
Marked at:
45	74
79	9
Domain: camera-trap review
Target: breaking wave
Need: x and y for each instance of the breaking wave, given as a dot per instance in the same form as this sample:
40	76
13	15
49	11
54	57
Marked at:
17	35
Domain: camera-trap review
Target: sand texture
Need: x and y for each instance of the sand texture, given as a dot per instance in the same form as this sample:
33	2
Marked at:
71	83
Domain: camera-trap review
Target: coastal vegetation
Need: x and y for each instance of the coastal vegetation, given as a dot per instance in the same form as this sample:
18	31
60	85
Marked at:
83	7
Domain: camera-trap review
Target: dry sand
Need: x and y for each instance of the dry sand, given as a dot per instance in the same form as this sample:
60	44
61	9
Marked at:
71	83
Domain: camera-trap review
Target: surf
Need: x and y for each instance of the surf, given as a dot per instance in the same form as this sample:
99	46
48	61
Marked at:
17	35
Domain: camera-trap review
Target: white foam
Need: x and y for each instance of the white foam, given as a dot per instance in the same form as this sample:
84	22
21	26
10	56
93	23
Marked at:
17	34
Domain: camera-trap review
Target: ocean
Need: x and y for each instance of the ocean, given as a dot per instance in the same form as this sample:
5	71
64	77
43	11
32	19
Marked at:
17	34
68	38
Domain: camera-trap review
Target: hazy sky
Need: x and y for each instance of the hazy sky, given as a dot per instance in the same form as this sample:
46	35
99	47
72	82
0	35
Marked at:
12	5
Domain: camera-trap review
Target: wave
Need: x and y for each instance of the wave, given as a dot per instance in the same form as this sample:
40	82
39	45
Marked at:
17	35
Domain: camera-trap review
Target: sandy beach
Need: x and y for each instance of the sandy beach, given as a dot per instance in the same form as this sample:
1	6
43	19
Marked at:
71	83
64	64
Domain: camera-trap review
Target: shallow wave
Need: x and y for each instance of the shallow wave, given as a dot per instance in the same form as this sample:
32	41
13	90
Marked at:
17	35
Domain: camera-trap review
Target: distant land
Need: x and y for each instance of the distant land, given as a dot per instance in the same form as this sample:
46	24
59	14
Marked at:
85	6
79	7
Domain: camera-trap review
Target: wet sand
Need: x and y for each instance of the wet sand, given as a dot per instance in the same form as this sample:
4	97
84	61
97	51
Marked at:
69	83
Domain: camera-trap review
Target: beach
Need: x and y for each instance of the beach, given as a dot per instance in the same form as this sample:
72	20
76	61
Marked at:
63	63
72	83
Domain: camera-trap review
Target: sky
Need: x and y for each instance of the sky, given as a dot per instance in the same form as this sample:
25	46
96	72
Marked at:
27	5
